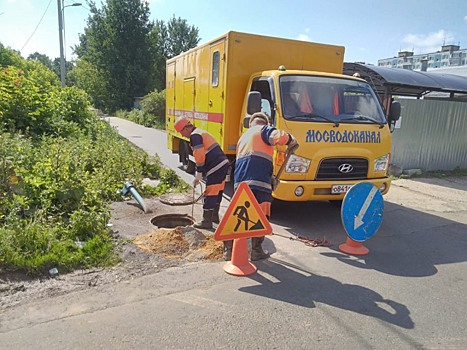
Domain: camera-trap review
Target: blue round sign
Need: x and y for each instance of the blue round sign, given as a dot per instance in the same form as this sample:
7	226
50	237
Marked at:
362	211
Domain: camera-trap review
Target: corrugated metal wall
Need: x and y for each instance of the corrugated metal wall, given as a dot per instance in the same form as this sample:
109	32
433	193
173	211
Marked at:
433	135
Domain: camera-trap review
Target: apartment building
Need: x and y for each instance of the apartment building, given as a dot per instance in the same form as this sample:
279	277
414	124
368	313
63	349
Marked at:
449	56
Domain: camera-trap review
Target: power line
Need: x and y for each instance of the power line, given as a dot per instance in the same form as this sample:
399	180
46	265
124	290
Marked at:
37	25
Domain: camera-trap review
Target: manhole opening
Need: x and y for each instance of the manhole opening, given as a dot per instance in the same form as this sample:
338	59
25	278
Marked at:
172	220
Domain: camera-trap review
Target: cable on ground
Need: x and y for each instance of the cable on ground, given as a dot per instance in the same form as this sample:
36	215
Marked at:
307	241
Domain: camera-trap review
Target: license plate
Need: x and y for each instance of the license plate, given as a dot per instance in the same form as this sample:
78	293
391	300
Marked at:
335	189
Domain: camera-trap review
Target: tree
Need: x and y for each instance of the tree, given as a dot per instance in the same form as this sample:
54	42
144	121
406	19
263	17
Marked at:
181	37
9	57
44	59
52	65
168	41
56	68
126	52
158	49
89	78
116	43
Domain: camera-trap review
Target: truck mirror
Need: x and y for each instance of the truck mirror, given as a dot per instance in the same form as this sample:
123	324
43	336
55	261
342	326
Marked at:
395	111
254	102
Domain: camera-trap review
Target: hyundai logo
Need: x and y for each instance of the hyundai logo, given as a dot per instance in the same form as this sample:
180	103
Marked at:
345	168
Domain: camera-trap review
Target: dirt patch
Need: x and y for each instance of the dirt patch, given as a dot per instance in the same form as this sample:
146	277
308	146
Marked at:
178	243
143	248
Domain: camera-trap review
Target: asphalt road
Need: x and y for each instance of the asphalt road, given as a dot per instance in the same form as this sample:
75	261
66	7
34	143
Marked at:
408	292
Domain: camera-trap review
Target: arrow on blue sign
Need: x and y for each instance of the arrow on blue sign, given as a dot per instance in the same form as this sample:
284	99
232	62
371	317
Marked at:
359	218
362	211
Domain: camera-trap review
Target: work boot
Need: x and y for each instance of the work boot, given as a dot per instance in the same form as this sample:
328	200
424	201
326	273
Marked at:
257	252
207	220
215	214
228	245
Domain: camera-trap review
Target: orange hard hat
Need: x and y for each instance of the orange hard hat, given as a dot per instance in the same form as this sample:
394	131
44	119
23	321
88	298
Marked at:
180	123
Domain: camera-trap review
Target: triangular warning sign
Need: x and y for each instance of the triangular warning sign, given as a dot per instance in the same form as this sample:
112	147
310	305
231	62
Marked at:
243	218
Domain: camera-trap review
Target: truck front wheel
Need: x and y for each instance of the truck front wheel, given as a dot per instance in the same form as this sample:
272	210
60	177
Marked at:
336	203
184	152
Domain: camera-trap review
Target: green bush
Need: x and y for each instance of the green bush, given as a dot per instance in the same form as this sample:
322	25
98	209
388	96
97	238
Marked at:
61	193
60	168
154	103
152	114
32	105
142	118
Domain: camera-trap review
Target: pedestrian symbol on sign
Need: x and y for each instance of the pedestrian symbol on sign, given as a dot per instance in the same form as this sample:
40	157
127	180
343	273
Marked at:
241	212
243	218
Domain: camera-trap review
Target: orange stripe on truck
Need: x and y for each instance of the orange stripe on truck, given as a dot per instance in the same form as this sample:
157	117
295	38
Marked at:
210	117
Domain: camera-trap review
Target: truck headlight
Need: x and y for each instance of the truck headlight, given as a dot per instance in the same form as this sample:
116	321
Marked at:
381	163
297	164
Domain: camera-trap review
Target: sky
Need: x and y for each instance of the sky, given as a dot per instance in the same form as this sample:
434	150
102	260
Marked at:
368	29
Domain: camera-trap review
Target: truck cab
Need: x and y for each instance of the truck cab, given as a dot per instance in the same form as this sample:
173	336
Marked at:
339	123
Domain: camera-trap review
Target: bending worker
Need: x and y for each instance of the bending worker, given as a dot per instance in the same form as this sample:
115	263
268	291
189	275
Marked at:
211	163
254	166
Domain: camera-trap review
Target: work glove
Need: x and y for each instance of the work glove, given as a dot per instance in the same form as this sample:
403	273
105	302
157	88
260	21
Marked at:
197	179
293	143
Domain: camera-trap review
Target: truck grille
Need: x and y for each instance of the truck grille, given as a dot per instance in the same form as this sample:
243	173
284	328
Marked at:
329	169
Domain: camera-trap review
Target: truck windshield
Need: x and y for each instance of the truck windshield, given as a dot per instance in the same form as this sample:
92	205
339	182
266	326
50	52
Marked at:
330	100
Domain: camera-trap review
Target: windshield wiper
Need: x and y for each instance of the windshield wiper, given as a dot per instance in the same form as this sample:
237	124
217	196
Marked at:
364	117
313	116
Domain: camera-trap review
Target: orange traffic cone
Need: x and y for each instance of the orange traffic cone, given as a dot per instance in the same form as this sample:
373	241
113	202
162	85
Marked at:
353	247
239	265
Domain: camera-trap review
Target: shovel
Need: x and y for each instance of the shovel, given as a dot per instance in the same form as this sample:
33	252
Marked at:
275	179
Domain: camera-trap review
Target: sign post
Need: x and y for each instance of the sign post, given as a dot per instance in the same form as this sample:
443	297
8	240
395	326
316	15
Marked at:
242	220
362	215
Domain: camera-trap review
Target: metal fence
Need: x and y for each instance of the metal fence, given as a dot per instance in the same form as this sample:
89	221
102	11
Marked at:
432	135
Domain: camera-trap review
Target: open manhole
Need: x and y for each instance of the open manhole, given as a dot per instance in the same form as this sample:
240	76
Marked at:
172	220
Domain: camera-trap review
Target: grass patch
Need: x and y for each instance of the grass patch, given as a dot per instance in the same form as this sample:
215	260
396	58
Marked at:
60	168
446	173
433	174
55	196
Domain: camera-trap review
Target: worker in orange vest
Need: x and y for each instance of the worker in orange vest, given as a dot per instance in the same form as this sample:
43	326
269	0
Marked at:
211	164
254	166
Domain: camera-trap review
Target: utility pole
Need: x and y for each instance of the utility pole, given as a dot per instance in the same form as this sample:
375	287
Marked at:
60	31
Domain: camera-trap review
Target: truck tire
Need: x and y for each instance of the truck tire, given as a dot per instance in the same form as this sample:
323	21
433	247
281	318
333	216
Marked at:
336	203
184	152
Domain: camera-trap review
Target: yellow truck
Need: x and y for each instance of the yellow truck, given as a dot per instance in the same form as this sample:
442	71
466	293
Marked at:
338	120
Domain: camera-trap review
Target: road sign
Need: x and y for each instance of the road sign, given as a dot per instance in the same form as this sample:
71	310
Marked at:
362	211
243	218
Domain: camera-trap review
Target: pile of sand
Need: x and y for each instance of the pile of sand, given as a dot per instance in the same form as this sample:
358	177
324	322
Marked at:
180	242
